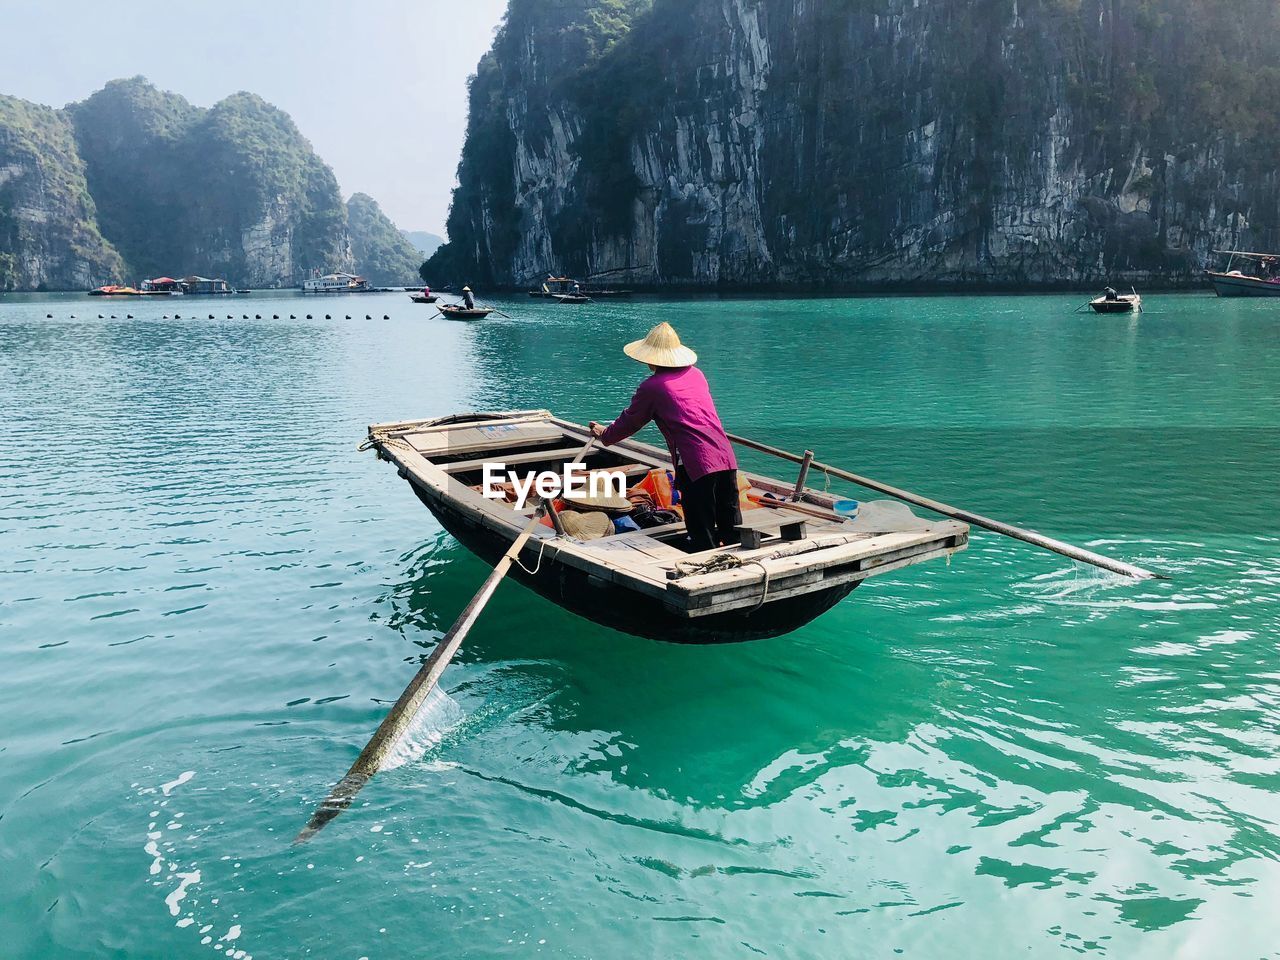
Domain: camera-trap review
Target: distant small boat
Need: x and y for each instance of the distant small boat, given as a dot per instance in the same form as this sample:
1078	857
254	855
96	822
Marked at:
423	297
572	298
453	311
553	288
115	290
1112	302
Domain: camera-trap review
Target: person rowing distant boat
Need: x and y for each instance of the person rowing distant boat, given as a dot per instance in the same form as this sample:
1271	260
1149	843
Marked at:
468	300
677	398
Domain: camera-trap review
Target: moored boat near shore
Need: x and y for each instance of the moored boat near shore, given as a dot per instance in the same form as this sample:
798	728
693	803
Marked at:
337	283
1264	281
796	561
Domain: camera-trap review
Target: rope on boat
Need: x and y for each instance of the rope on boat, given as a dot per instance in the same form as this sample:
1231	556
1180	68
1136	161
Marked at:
542	545
374	439
728	561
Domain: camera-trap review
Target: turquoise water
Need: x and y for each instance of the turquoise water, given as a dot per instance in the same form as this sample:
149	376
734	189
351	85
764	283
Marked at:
208	597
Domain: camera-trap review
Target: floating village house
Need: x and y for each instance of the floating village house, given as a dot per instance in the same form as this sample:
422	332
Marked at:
194	284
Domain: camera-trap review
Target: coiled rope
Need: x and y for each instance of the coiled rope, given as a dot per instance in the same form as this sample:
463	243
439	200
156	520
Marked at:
728	561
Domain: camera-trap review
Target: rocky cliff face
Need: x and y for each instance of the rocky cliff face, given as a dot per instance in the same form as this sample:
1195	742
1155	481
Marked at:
382	253
870	142
49	234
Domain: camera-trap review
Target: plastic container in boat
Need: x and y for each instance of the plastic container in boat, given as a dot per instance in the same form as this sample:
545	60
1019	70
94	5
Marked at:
845	509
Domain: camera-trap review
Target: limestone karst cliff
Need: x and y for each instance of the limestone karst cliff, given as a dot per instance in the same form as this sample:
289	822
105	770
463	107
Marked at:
136	182
49	235
382	253
863	143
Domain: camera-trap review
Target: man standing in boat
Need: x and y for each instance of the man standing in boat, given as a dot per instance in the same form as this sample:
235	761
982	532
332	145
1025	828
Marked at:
468	300
677	398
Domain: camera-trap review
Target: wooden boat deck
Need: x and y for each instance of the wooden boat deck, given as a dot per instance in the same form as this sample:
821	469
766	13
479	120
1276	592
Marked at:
443	460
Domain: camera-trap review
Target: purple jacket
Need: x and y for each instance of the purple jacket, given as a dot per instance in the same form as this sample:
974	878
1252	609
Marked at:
679	402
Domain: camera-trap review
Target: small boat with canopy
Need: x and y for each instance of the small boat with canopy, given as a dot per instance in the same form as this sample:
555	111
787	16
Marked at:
1262	280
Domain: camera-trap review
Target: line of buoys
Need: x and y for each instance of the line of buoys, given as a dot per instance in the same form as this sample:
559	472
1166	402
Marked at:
230	316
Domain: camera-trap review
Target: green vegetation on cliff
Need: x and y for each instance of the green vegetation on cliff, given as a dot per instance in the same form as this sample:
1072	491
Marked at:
382	253
136	182
49	235
231	191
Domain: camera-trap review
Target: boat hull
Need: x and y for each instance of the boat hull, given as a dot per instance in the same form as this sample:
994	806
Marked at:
1230	285
624	610
453	313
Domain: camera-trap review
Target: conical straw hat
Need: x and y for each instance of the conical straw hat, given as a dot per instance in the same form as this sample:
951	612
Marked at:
662	348
585	526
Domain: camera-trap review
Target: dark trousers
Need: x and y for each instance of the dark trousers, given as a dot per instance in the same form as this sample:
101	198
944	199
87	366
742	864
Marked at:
710	506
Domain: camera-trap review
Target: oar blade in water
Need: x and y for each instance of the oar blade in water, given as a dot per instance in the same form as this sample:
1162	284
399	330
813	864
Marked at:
402	715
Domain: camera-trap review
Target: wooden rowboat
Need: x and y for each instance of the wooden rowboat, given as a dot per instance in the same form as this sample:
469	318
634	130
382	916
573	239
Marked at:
1123	303
792	565
455	312
423	297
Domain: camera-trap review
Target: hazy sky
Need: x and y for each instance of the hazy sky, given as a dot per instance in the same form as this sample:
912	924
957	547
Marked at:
378	86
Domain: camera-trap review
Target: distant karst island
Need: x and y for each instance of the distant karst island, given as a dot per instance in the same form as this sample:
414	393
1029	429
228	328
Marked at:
137	182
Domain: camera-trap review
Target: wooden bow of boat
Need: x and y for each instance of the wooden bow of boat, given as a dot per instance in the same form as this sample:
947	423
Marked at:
802	560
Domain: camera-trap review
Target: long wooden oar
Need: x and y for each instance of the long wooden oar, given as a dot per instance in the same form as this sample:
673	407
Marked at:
975	519
402	715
